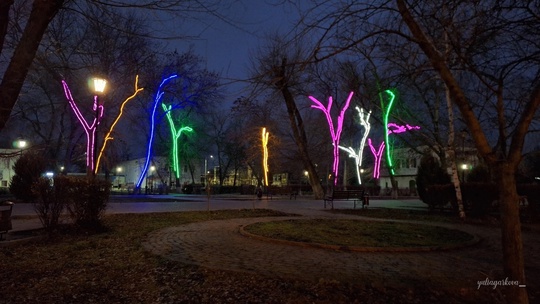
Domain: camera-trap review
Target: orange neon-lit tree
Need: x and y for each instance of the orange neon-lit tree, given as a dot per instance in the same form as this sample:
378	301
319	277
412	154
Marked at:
265	154
108	136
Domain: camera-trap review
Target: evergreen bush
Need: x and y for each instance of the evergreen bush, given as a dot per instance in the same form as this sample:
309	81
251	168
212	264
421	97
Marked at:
28	169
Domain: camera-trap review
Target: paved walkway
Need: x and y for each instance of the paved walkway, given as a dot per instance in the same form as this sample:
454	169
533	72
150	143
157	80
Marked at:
219	245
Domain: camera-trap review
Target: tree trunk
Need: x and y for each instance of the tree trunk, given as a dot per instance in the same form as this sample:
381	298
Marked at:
299	133
41	15
452	154
513	262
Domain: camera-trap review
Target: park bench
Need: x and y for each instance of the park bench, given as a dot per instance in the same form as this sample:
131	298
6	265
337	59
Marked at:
5	217
271	191
357	195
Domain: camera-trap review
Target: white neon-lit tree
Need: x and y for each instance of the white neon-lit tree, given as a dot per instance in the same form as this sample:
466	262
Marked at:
335	133
358	155
89	128
175	134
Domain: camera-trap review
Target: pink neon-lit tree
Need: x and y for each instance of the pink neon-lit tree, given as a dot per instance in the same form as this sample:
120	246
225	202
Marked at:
377	154
396	129
89	128
393	128
335	133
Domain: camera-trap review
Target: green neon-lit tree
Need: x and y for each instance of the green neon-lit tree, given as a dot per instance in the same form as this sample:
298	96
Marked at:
386	113
175	134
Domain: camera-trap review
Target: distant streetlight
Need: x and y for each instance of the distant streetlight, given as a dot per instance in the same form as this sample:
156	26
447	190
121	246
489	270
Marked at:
20	144
99	88
464	167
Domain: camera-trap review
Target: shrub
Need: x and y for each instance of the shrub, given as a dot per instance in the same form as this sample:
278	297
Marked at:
28	170
478	198
440	195
532	191
479	174
51	198
430	172
88	201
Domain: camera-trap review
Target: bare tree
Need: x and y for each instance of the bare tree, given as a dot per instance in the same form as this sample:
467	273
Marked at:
490	54
24	34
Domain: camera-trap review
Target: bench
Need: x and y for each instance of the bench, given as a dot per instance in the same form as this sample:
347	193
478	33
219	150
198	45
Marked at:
5	217
357	195
271	191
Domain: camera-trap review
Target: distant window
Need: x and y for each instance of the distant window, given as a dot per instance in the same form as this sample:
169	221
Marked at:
413	162
185	169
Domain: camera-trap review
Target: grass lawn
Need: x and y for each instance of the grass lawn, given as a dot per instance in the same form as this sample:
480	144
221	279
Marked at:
112	267
356	233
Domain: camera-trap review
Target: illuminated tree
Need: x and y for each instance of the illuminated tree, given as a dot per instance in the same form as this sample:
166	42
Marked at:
111	129
264	141
25	33
335	132
358	156
489	63
175	134
157	100
89	127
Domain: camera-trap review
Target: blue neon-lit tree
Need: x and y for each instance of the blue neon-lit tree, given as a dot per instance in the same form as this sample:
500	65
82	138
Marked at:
157	100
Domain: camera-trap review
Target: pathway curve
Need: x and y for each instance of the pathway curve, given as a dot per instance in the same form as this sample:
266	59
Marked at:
219	245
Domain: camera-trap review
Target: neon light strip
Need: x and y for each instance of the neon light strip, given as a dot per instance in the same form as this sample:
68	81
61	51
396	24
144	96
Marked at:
108	136
364	121
175	136
396	129
265	154
387	110
378	156
89	129
335	134
159	95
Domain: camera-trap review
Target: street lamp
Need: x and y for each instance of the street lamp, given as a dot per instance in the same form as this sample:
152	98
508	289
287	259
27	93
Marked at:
21	144
206	168
464	167
99	88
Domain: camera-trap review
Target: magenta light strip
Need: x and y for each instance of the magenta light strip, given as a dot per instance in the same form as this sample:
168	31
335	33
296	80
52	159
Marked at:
90	129
396	129
334	133
378	156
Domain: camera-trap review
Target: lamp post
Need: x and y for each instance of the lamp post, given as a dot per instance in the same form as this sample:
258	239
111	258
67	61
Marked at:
99	88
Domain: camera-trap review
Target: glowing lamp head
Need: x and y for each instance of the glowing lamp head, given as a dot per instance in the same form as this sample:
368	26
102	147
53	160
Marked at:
99	85
464	166
21	143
